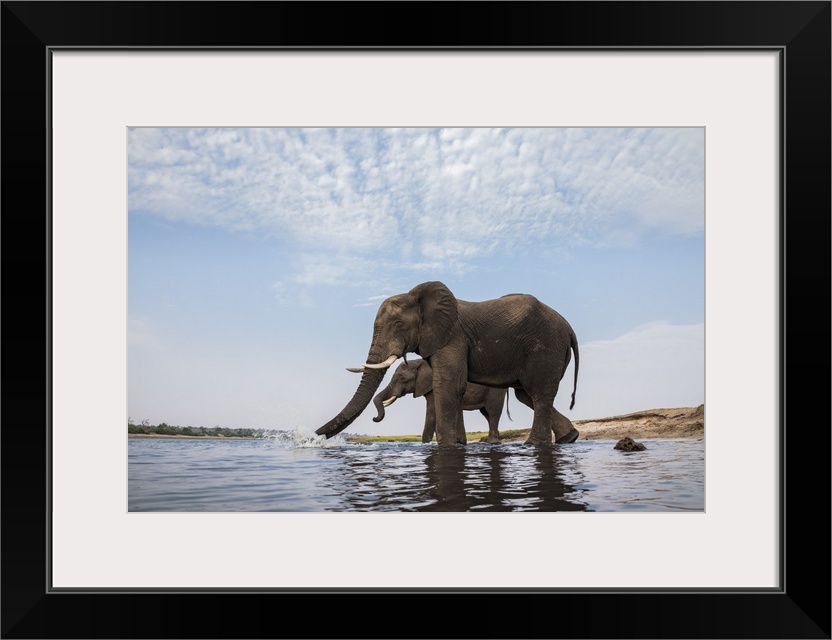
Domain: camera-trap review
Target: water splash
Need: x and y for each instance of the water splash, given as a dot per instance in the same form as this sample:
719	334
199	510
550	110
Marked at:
305	437
302	437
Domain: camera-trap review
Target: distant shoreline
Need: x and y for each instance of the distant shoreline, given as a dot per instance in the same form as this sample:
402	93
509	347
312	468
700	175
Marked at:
679	422
182	437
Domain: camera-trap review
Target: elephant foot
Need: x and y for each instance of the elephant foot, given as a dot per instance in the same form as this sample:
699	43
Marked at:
452	441
569	437
493	440
539	436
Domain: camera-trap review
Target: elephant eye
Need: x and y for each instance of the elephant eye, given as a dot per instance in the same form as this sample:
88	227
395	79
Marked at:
399	324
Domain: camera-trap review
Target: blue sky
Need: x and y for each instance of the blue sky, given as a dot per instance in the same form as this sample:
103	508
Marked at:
257	259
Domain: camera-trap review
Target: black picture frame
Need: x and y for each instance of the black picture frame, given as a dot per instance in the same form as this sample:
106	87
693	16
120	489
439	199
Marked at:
800	608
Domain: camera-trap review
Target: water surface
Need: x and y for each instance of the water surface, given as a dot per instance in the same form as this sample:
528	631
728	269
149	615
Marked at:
295	472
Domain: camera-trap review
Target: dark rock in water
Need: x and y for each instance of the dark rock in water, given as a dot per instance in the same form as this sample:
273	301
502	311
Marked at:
628	444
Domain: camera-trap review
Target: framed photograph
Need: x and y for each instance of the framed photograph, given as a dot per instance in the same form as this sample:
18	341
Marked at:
726	104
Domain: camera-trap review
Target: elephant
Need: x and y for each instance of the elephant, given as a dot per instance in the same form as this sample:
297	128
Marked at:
513	341
416	377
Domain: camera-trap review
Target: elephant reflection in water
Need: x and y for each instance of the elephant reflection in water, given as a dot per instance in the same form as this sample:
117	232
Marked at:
416	378
496	479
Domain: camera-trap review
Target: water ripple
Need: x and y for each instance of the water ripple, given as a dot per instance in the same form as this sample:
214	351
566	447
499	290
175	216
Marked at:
296	471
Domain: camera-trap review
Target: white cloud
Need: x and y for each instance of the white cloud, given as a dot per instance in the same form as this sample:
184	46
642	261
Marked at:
373	301
427	197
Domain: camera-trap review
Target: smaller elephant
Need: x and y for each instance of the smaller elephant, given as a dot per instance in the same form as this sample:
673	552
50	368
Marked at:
416	377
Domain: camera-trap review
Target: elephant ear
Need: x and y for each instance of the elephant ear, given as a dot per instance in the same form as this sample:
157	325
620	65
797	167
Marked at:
439	315
424	379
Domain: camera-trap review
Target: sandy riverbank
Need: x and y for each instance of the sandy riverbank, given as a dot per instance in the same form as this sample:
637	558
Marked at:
680	422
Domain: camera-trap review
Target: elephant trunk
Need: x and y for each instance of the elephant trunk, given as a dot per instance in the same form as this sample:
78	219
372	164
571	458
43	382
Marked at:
380	401
370	381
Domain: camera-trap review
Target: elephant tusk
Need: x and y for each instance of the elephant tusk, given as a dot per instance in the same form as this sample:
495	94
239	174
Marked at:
382	365
389	401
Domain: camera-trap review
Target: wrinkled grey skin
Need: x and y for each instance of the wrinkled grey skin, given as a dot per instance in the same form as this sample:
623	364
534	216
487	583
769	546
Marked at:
416	377
514	341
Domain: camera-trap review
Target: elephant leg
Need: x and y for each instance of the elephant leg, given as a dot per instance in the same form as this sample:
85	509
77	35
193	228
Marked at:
430	419
565	431
447	398
541	432
493	421
461	437
561	426
449	427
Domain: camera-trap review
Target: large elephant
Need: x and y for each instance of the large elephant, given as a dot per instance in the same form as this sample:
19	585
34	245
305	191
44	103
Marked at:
416	377
513	341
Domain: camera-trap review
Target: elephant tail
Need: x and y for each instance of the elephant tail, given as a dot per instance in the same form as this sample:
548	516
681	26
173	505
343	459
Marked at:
508	413
573	339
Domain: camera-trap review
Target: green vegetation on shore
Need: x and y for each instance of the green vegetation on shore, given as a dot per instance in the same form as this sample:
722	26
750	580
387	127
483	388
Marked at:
164	429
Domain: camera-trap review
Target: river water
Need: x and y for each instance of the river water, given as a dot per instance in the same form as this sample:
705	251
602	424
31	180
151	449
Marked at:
295	472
